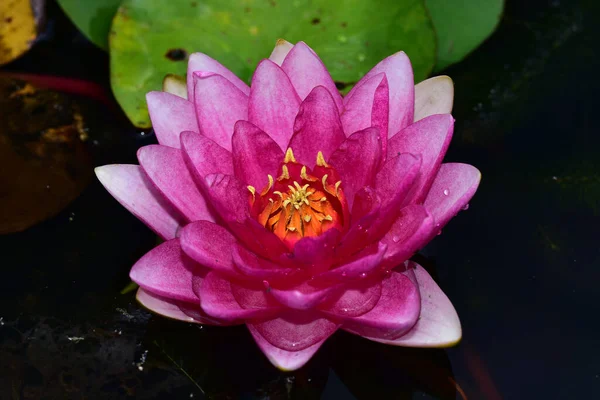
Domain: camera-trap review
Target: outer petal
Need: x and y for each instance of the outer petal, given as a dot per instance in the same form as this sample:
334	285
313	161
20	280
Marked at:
453	187
438	324
368	106
129	185
217	300
434	96
173	309
199	62
170	115
283	359
167	272
219	105
396	312
204	156
430	137
167	170
281	50
357	160
295	330
307	71
304	296
357	299
401	87
273	102
210	245
408	234
255	155
317	127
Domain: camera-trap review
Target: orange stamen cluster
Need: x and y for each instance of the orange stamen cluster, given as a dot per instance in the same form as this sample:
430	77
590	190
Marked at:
299	203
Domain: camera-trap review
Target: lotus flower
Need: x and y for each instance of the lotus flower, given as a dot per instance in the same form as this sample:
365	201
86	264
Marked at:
293	210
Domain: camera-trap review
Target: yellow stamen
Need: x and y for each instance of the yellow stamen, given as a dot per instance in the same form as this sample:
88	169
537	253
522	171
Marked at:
321	160
253	191
268	187
285	173
303	174
289	156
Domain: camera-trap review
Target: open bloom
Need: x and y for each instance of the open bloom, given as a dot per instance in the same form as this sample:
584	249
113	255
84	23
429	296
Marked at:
294	210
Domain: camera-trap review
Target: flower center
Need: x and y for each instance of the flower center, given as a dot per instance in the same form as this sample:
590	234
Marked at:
299	203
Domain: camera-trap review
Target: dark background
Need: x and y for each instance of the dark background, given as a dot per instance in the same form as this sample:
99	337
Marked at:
521	265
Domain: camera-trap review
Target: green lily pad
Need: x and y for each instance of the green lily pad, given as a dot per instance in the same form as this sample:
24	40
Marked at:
461	26
150	39
92	17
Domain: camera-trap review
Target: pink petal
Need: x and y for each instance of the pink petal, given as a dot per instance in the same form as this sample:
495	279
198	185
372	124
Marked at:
434	96
357	299
304	296
315	254
430	137
307	71
438	324
273	102
317	128
167	272
130	186
210	245
218	301
219	105
228	196
249	264
173	309
408	234
361	265
167	170
281	50
258	239
170	115
395	313
295	330
401	84
199	62
368	106
357	160
283	359
453	187
366	230
204	157
255	155
395	179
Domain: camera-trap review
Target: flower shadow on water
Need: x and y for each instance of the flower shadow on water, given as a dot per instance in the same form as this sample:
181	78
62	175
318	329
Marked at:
223	363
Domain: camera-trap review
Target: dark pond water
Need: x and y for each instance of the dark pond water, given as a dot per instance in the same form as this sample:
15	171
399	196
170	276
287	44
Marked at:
521	265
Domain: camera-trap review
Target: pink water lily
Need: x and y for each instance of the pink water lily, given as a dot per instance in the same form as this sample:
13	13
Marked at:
294	210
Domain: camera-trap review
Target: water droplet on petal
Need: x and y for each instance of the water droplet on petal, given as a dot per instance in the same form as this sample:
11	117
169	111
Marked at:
360	228
396	239
446	192
266	285
439	232
344	273
363	275
466	207
344	309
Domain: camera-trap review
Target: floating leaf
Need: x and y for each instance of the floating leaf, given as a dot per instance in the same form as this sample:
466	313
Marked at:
45	162
461	26
92	17
18	28
150	39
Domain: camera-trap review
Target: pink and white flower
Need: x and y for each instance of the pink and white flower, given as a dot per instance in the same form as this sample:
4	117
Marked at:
294	210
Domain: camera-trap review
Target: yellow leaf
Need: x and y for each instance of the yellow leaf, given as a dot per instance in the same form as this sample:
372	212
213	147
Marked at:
17	29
